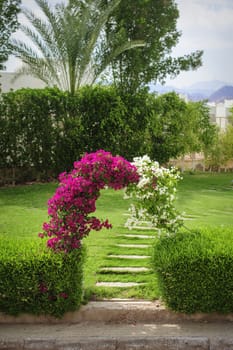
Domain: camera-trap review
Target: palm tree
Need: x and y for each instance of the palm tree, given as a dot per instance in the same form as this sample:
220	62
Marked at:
69	44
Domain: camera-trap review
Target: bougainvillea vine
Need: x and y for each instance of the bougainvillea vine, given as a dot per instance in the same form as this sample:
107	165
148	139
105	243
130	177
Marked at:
74	200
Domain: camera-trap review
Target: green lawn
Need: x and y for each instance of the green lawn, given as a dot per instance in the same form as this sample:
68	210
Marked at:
207	200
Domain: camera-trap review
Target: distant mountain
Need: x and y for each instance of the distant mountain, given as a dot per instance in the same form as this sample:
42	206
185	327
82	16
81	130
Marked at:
225	93
207	86
197	96
193	95
162	89
196	92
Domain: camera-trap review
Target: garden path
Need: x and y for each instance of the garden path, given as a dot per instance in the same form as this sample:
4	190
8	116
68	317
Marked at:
129	265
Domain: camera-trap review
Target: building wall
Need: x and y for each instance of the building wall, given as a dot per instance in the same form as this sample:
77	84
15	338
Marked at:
219	112
25	81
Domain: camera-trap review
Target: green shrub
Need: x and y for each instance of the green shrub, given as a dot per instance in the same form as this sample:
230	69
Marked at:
43	131
31	120
195	270
37	281
102	115
46	130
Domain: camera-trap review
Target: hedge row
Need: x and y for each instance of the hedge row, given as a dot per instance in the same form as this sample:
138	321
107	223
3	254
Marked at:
43	131
36	281
46	130
195	270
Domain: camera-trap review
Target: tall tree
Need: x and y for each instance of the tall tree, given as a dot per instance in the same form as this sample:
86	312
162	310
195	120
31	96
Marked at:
71	46
200	132
8	25
166	127
155	22
176	128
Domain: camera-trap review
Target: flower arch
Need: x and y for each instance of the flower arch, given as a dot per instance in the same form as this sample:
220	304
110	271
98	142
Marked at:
74	200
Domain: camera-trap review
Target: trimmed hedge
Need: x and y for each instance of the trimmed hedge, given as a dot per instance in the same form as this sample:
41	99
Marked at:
31	121
43	131
102	118
37	281
195	270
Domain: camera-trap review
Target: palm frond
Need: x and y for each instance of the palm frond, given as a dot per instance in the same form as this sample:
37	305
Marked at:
69	45
94	33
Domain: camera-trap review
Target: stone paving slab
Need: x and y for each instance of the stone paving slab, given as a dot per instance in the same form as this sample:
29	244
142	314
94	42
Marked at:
143	228
124	269
138	236
129	256
134	245
118	284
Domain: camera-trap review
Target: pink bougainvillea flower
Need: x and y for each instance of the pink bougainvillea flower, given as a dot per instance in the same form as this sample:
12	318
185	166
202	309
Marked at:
43	288
75	198
63	295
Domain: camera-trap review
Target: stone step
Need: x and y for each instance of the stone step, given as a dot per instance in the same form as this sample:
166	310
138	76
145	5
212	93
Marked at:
142	228
118	311
138	236
124	269
118	284
143	246
118	325
129	256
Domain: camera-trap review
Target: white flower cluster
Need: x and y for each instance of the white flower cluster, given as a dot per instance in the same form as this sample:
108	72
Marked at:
153	197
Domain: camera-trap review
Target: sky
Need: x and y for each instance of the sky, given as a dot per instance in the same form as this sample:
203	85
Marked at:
205	25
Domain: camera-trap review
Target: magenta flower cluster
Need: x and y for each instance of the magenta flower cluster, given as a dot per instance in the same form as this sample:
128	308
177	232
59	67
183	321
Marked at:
44	290
74	200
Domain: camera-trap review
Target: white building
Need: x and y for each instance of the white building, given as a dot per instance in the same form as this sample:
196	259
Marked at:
219	112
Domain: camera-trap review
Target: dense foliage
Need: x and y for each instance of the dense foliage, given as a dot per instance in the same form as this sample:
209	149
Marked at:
9	10
176	128
221	151
154	22
102	118
43	131
195	270
34	280
166	129
31	124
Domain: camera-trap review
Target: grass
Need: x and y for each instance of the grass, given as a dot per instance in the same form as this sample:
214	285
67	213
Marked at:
24	209
206	199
